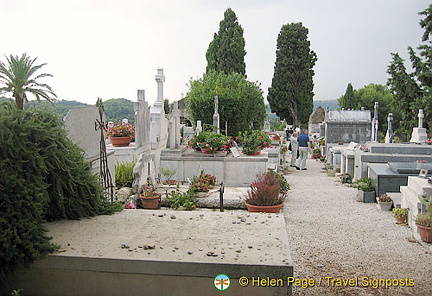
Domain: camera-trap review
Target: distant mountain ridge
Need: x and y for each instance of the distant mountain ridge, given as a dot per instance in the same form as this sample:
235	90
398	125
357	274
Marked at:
327	104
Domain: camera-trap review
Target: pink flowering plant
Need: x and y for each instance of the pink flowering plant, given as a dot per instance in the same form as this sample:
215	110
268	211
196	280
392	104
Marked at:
254	141
121	130
210	140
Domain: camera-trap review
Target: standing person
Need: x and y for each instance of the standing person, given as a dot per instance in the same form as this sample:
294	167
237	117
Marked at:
294	149
304	146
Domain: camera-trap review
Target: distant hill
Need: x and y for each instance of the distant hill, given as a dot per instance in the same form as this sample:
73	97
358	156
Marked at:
115	109
331	104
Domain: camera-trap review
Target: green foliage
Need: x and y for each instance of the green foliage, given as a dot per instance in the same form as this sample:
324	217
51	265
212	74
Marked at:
117	109
400	212
167	108
211	140
348	100
179	199
226	51
364	184
241	103
412	91
291	93
124	174
424	220
18	75
167	172
44	176
202	183
254	141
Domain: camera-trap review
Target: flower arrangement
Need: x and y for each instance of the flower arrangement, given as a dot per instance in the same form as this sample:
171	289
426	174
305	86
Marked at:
254	141
420	161
384	198
266	190
428	141
202	183
121	130
210	140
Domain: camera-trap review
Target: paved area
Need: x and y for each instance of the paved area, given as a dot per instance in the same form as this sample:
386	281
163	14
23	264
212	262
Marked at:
335	238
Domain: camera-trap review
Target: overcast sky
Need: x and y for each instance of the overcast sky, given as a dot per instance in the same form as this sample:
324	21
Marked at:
112	48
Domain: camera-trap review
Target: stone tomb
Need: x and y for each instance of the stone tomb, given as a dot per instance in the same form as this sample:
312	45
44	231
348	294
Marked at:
388	152
409	198
106	255
389	177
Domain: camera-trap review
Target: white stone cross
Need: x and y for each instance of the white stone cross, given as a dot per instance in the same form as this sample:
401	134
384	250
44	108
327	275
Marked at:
420	117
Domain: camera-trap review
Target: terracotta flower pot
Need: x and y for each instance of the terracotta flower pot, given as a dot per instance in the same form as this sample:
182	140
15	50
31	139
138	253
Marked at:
169	182
400	220
206	150
150	202
120	141
425	233
256	153
264	209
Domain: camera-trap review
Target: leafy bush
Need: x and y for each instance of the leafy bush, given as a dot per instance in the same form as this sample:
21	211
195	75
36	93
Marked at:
44	177
254	141
179	199
364	184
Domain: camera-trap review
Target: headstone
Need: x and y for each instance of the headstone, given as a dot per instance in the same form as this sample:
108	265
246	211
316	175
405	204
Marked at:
216	119
419	134
389	135
159	125
80	127
142	127
375	124
174	128
198	128
266	125
347	125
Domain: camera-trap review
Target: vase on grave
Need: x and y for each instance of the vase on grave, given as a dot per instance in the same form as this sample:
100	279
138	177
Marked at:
120	141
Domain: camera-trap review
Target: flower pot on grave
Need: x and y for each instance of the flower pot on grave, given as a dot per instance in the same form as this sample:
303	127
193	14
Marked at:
425	233
384	206
120	141
252	154
264	209
401	220
150	202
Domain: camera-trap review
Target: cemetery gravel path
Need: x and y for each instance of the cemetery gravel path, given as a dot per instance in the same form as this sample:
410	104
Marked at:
331	234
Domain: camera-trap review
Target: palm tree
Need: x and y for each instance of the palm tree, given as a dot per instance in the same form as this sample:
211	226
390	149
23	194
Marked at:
17	75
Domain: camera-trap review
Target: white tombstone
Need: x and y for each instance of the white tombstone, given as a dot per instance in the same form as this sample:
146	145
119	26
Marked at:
419	134
216	119
157	113
198	129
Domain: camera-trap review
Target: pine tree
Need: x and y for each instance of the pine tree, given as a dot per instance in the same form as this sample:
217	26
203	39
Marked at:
227	50
291	93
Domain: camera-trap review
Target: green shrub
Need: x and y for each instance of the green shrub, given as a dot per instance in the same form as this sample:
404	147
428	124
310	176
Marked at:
124	174
179	199
364	184
44	177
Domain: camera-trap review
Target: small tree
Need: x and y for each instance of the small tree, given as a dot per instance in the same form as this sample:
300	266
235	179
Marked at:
18	75
241	103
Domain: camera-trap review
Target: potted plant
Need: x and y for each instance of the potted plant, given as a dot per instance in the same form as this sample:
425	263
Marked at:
385	202
210	142
265	194
149	197
366	189
121	134
253	142
400	214
424	220
168	173
202	183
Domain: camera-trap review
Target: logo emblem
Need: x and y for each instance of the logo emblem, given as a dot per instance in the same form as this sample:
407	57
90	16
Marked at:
222	282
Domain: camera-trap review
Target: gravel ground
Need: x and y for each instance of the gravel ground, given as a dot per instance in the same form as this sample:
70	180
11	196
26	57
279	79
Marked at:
331	234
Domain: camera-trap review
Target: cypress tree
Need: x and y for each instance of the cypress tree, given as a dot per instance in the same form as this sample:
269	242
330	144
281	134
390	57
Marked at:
291	93
226	51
